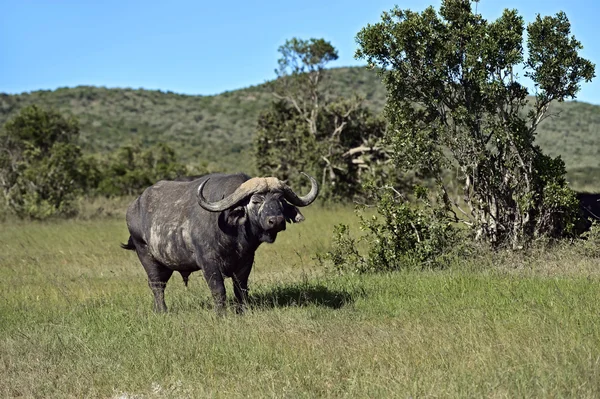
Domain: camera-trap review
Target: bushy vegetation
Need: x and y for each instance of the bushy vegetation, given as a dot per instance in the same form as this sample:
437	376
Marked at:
43	170
397	236
218	130
341	157
131	169
41	166
454	101
305	129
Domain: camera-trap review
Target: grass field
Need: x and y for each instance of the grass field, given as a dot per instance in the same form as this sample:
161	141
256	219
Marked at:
76	321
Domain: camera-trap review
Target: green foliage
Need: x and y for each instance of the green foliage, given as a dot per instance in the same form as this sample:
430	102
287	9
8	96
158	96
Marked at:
219	129
43	170
556	210
344	253
453	100
296	148
590	245
302	56
406	236
554	63
335	139
132	169
41	166
400	236
300	71
284	147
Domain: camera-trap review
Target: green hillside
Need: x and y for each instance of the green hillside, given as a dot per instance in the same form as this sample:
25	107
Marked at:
218	129
215	129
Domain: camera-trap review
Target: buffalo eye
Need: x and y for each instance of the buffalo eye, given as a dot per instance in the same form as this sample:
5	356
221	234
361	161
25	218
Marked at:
257	199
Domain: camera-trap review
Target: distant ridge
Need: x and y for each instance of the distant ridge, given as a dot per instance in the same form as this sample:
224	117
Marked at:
218	129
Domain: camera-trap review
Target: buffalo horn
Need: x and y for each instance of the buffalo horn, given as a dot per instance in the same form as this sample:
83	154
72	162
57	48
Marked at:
225	203
258	185
293	198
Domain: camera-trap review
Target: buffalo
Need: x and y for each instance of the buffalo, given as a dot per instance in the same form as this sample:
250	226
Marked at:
589	208
213	223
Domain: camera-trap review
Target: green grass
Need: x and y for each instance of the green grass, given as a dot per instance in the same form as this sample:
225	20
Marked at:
76	321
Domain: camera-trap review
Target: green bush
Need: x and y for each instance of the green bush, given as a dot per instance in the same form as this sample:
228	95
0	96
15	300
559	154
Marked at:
589	246
336	139
454	103
132	169
41	166
401	235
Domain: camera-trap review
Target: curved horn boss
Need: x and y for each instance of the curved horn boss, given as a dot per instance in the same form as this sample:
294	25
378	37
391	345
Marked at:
257	185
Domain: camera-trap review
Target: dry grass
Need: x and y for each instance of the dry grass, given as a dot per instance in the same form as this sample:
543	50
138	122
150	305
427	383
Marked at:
76	321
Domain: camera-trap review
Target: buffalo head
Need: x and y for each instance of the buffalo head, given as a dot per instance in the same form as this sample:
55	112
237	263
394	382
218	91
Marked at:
263	203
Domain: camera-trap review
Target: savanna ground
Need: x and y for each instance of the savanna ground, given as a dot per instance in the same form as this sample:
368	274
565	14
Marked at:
76	321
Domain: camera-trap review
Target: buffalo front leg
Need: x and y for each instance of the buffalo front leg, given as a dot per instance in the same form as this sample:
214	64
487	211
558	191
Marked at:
215	282
240	288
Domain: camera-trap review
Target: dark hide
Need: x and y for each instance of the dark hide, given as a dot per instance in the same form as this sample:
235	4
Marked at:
170	231
187	178
589	207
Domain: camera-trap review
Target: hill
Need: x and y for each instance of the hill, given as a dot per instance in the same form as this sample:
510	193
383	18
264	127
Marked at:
215	129
218	130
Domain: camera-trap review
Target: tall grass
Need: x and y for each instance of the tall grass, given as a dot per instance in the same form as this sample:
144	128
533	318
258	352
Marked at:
76	321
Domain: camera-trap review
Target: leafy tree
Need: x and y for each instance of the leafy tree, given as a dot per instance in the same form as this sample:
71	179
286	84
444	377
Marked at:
41	166
454	100
300	75
132	169
336	139
342	157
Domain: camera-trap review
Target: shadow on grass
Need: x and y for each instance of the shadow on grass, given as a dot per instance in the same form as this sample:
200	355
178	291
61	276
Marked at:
297	294
300	295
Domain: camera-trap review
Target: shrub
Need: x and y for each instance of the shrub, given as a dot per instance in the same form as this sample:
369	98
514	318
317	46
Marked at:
41	166
401	235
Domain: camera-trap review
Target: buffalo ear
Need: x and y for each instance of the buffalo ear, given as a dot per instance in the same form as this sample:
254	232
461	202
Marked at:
236	216
291	213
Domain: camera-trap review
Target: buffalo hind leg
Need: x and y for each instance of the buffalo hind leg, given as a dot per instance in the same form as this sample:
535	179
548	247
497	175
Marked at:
215	282
158	276
157	284
240	288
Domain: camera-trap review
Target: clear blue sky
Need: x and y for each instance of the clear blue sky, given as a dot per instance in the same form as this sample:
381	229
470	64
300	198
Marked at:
201	47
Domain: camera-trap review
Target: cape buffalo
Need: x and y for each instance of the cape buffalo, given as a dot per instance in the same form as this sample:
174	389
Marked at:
589	207
214	223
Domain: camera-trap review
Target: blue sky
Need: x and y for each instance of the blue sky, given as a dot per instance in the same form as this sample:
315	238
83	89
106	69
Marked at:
200	47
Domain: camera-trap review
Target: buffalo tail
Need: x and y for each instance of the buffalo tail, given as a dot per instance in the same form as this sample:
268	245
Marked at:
129	245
